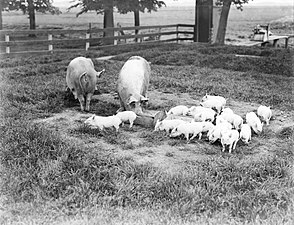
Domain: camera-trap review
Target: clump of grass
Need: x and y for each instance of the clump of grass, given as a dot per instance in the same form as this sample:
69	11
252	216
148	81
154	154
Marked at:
153	138
286	132
86	130
169	154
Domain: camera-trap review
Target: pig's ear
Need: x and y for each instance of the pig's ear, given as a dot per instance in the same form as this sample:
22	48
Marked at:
100	73
132	100
144	99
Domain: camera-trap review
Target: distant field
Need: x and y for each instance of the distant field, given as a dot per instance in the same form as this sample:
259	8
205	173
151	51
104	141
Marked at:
240	24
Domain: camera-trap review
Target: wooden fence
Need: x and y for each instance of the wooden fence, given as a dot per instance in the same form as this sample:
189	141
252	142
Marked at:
49	41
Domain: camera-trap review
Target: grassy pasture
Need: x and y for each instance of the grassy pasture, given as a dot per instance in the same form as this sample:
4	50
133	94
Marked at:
61	172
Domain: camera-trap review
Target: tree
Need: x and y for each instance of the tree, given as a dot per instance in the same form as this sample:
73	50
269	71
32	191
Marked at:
3	6
30	7
137	6
226	5
104	7
1	22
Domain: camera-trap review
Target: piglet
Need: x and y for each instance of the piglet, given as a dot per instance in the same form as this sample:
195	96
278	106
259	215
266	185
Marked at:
102	122
127	116
265	113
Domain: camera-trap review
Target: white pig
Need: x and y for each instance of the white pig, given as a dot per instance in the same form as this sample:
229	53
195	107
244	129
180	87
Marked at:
221	120
265	113
245	133
214	104
167	125
206	114
81	79
215	133
132	84
207	126
215	97
194	128
232	118
229	137
195	109
227	110
127	116
254	122
178	110
102	122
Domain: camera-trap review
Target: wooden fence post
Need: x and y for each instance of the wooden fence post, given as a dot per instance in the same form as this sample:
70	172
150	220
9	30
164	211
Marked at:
7	41
159	31
177	30
286	42
50	46
87	42
115	41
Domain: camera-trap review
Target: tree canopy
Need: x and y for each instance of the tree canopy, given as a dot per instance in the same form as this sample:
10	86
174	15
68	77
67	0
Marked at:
238	3
23	5
125	6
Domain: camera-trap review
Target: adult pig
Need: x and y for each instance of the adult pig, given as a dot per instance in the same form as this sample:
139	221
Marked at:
133	82
81	78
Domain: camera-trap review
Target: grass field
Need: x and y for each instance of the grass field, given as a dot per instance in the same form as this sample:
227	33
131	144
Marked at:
54	170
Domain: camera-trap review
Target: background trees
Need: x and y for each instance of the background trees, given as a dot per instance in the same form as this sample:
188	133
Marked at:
137	6
123	6
104	7
29	7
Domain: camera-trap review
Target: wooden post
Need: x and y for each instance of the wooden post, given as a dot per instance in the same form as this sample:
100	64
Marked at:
275	44
87	42
50	46
116	33
158	37
177	30
7	41
286	42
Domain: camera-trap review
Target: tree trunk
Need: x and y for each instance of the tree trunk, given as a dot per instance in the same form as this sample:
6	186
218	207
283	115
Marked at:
1	21
223	20
32	17
108	21
137	22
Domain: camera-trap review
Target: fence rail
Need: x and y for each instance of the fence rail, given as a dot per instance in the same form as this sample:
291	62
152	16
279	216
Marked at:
85	38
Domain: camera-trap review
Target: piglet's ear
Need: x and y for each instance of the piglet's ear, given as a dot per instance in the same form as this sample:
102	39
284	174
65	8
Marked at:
144	99
132	100
100	73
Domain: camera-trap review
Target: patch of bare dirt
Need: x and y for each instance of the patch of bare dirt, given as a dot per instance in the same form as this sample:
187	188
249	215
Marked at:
168	154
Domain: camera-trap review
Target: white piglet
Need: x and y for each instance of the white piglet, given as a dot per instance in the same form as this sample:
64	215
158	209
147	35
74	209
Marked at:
127	116
227	110
237	121
167	125
216	97
178	110
232	118
254	122
245	133
194	128
102	122
214	104
215	133
265	113
195	109
206	114
207	126
229	137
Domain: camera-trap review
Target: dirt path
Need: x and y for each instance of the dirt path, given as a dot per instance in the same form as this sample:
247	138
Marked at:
141	143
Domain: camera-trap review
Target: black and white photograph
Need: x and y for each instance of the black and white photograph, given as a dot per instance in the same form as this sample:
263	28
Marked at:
146	112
